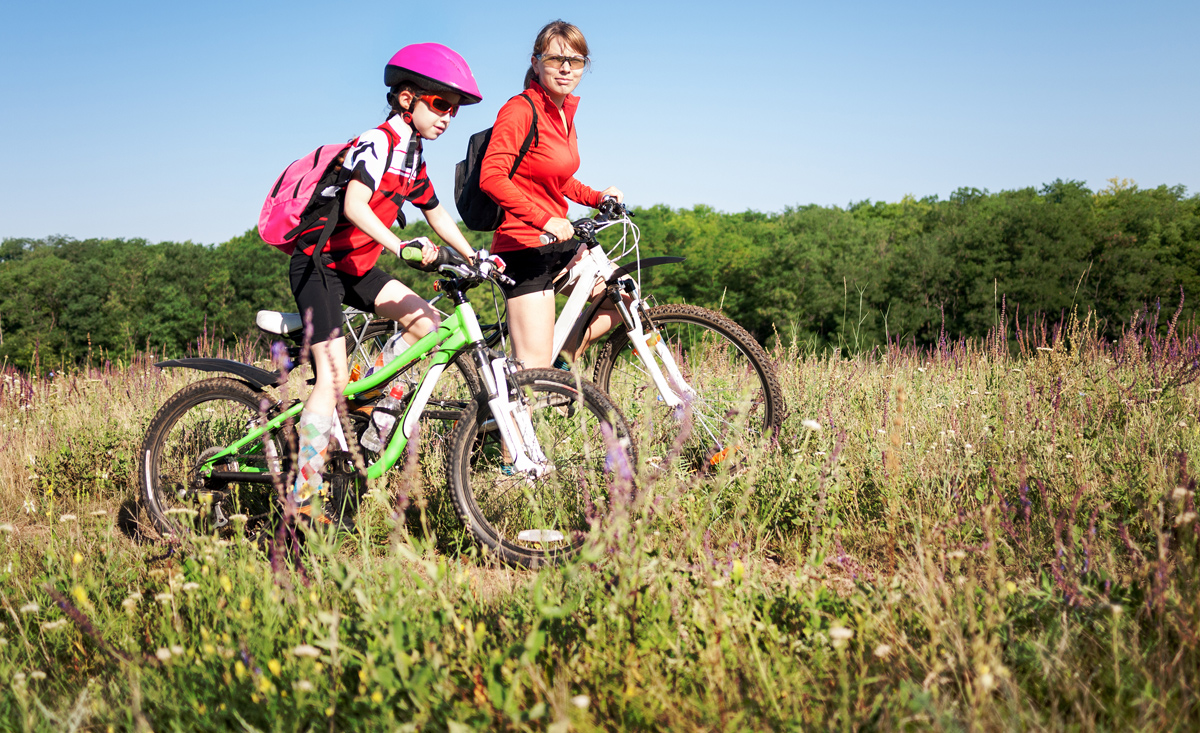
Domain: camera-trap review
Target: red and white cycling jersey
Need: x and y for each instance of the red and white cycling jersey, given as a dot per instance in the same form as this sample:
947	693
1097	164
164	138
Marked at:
403	179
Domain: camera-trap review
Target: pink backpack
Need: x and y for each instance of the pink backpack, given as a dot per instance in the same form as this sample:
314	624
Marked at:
298	200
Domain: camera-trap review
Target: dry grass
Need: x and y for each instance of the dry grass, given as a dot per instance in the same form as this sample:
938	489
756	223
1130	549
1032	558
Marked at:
984	534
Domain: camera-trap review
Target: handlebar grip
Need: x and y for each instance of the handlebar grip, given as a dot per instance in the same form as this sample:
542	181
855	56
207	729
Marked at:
411	254
547	238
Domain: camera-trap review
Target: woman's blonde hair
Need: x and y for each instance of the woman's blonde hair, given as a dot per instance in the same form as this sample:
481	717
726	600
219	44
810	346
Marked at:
561	29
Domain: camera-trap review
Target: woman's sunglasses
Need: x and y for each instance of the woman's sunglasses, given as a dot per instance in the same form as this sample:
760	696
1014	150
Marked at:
439	105
576	62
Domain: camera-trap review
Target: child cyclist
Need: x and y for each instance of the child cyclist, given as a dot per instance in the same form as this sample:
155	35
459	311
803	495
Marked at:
382	169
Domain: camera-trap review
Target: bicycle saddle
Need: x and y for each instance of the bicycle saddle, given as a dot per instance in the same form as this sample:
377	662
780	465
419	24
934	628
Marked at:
279	323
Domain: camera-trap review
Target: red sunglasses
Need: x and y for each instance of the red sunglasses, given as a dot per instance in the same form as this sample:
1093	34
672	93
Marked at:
439	105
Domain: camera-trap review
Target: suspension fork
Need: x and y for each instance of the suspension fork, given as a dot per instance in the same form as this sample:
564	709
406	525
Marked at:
511	416
647	343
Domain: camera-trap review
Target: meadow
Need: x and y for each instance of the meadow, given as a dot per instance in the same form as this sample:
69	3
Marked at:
980	534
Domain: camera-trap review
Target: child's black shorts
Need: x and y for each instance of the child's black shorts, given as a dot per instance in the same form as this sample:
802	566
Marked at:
326	298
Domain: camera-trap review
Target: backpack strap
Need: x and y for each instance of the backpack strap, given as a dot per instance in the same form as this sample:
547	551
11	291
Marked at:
531	137
335	209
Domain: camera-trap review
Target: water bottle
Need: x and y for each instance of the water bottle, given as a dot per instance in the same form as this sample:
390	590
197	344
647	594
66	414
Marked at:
391	349
383	418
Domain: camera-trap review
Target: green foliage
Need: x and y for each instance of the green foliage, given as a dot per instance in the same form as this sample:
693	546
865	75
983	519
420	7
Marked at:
846	278
919	268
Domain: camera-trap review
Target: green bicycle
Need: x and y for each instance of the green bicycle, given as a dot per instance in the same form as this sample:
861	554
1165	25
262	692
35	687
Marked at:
532	458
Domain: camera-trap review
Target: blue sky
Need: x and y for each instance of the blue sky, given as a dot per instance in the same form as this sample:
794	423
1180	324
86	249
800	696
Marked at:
169	121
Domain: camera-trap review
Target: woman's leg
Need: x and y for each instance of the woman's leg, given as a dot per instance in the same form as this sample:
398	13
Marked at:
531	326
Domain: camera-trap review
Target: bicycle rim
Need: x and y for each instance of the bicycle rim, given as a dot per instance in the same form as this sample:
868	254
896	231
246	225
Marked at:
737	399
195	424
532	521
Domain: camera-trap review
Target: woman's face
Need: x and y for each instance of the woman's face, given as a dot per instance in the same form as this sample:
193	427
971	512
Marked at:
556	76
431	113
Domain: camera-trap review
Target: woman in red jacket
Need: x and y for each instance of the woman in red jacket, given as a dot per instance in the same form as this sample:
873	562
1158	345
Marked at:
534	199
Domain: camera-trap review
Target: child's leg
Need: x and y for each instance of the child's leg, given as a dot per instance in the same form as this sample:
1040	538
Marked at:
399	303
319	424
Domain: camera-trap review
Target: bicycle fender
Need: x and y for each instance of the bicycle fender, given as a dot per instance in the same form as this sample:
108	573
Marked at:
642	265
256	377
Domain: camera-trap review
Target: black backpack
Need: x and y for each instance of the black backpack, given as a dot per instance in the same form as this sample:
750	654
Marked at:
478	211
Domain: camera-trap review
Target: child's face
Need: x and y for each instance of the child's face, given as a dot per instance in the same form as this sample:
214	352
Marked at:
431	113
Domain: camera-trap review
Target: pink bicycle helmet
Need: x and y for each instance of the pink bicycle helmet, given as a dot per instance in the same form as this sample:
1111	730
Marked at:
433	67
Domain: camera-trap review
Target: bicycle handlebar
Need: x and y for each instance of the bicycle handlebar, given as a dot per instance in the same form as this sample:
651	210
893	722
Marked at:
608	209
450	261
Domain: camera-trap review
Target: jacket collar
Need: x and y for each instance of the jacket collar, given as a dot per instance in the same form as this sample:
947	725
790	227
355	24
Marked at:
540	95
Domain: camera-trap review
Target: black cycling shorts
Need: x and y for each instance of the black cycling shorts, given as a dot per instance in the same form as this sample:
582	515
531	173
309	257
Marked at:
325	298
535	268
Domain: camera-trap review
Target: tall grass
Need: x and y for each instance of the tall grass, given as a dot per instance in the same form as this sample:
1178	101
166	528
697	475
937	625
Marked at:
986	534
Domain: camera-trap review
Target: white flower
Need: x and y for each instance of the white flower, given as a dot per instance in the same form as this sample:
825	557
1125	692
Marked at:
37	674
303	686
52	625
30	607
840	633
29	506
304	650
811	424
239	518
188	587
99	512
177	650
581	701
7	528
164	597
882	651
163	654
67	518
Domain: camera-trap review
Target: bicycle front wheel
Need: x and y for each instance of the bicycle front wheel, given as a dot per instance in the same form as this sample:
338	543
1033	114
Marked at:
737	397
197	422
534	521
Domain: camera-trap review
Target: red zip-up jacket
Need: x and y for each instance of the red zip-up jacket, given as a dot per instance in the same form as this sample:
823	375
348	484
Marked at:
546	177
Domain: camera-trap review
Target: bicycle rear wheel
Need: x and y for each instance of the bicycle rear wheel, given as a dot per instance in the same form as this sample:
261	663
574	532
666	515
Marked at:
534	521
193	425
738	399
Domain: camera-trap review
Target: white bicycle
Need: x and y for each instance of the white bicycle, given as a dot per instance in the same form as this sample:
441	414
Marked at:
672	365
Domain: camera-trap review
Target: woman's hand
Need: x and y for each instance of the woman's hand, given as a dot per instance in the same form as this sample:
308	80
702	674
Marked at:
614	192
561	229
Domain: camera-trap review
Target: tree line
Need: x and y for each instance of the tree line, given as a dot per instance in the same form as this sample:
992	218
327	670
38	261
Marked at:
829	276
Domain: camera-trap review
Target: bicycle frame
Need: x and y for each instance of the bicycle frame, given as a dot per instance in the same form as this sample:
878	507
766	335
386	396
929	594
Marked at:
595	267
456	333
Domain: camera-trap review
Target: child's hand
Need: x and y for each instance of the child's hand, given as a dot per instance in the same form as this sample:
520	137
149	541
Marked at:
429	250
